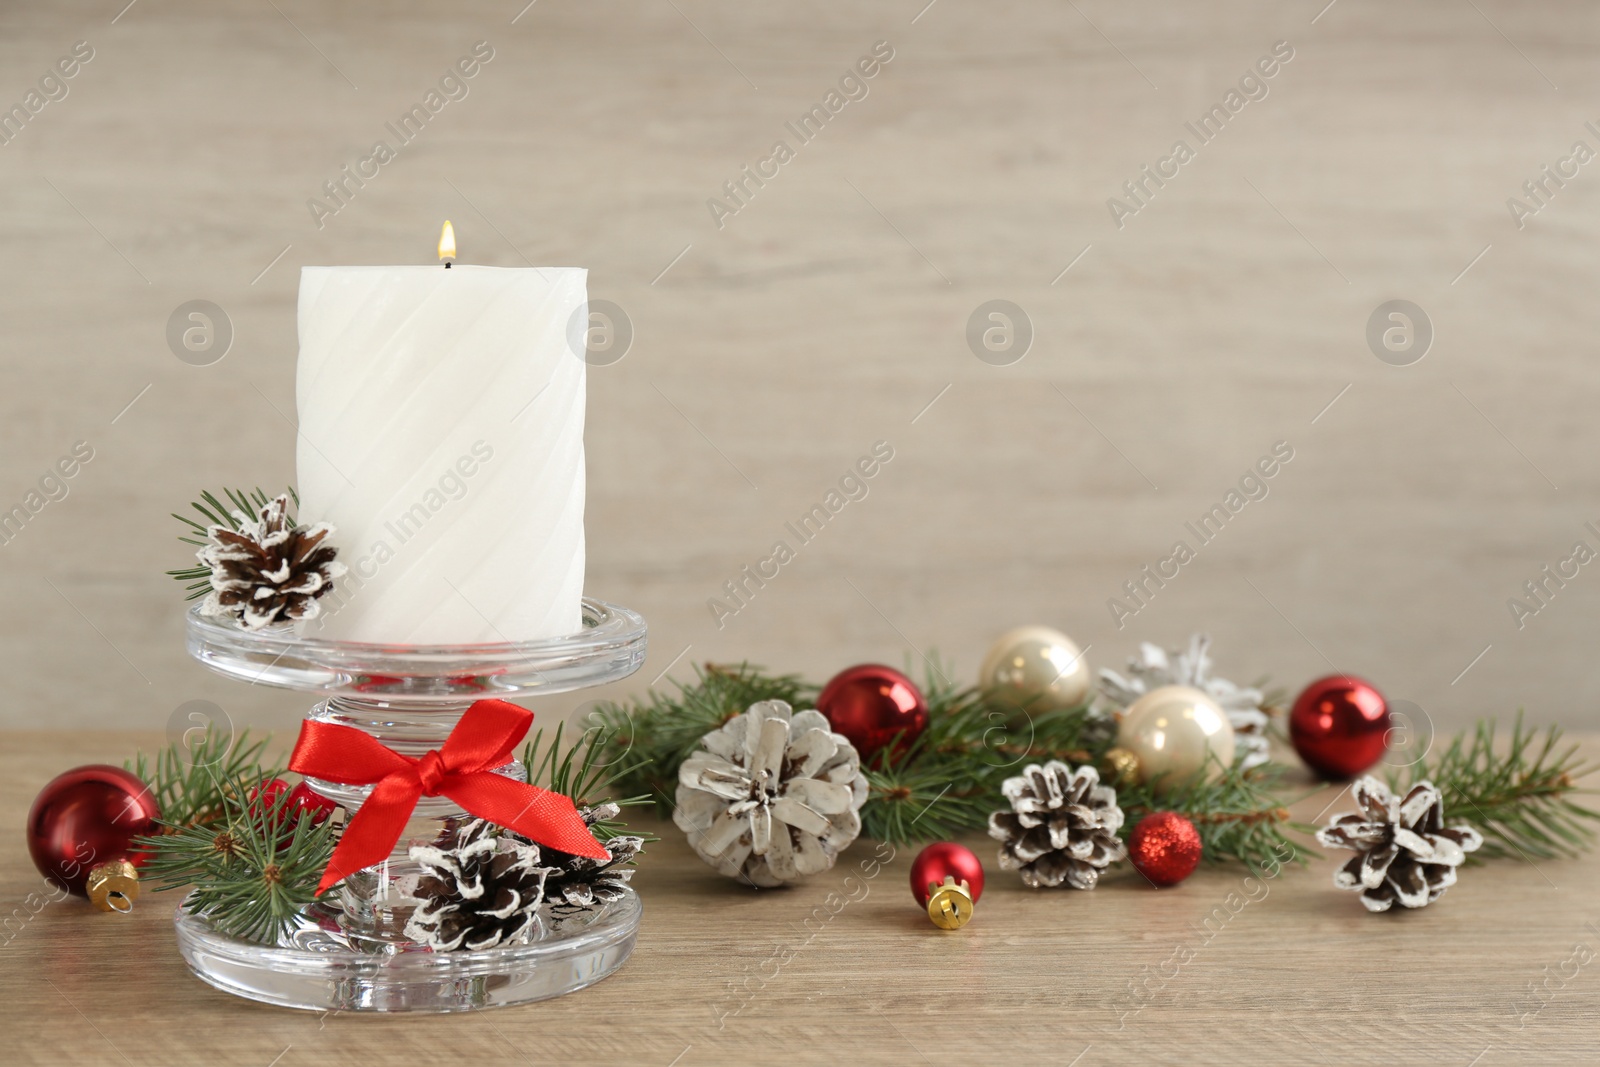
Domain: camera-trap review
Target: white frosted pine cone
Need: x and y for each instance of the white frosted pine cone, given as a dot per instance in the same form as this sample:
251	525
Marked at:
1404	853
772	795
1154	667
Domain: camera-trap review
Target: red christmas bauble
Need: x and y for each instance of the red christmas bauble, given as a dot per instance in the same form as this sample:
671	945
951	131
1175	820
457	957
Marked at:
1165	847
265	796
1340	726
870	704
302	799
85	817
941	859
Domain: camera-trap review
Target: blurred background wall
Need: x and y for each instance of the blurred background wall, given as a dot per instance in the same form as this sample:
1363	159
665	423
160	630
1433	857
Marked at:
1149	356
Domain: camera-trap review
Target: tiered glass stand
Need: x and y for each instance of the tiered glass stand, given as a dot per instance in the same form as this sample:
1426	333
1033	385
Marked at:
349	953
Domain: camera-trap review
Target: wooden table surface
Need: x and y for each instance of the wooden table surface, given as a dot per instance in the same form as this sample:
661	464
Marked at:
1289	970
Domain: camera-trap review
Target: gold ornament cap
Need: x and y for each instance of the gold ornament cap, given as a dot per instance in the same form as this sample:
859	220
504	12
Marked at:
950	905
1121	767
113	886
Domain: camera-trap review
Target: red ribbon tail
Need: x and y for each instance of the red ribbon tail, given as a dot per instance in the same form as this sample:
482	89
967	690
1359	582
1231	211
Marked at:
543	817
373	830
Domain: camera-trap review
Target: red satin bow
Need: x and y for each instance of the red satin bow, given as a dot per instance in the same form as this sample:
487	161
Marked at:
463	771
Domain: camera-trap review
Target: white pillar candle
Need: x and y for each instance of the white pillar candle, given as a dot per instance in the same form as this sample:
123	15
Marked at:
441	433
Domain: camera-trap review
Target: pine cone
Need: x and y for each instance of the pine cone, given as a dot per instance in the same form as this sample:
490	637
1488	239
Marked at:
773	794
1154	667
1062	826
478	890
268	571
581	882
1404	852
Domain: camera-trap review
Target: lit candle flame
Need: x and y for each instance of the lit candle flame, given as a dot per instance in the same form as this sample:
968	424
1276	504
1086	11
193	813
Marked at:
447	241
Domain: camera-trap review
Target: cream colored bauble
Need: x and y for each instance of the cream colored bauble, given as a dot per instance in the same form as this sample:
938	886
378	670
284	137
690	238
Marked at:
1037	669
1174	731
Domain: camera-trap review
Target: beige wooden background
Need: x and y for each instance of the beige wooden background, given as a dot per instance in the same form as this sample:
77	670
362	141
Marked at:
830	312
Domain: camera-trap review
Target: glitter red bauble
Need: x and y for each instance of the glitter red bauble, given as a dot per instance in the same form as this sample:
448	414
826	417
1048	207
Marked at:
870	704
941	859
1165	847
1340	726
85	817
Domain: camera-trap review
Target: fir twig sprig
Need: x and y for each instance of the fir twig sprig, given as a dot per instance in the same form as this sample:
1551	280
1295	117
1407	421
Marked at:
253	870
1238	815
197	578
948	781
194	777
1518	796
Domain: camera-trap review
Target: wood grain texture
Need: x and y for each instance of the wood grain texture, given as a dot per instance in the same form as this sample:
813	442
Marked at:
845	969
830	312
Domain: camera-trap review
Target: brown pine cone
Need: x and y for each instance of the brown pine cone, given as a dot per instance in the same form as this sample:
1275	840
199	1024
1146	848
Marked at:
269	570
478	890
580	882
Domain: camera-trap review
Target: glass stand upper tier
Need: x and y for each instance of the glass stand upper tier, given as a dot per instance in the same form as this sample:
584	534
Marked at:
348	952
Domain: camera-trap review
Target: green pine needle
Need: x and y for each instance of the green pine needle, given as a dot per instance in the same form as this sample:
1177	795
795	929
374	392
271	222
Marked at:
253	870
192	780
1516	793
197	579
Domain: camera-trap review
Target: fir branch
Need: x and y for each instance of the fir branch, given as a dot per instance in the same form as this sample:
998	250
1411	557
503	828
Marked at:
948	781
197	579
1239	818
193	779
1519	801
253	870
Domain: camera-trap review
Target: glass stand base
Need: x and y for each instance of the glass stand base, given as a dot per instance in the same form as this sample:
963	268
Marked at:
320	968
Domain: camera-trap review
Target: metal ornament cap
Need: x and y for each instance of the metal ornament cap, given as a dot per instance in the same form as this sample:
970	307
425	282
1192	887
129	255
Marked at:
113	886
950	906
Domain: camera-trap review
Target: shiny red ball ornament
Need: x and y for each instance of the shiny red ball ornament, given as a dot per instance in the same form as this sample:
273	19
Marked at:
290	804
1340	726
88	817
1165	847
869	704
947	880
303	799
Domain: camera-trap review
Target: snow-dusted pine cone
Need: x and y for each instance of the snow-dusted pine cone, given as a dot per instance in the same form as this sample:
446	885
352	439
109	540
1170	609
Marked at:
581	882
1404	852
1062	826
1154	667
772	795
268	570
477	890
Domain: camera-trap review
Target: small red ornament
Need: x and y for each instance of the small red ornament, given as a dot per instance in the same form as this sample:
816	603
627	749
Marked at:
303	799
1165	847
266	796
270	795
947	879
1340	726
87	818
869	704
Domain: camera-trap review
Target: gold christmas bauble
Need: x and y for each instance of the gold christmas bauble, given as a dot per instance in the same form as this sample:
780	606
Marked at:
1174	731
1037	669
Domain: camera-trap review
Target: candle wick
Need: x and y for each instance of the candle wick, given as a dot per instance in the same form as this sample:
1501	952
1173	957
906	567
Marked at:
447	264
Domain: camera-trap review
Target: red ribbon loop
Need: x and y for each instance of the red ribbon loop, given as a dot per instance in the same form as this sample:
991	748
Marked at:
463	771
